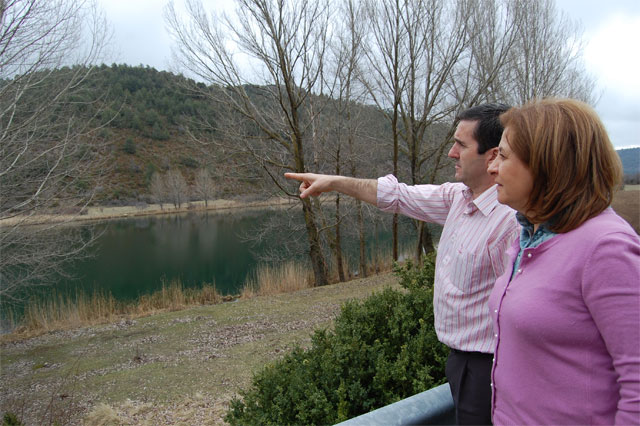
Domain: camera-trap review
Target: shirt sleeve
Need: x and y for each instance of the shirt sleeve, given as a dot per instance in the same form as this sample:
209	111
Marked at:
611	290
429	203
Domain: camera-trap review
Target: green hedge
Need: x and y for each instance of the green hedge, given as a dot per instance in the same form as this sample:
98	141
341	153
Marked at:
382	350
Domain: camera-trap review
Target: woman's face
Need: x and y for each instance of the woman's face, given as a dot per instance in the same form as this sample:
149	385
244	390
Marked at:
513	177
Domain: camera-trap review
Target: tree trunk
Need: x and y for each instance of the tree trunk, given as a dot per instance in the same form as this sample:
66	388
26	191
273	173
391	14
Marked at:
363	259
315	251
394	228
425	242
338	243
376	247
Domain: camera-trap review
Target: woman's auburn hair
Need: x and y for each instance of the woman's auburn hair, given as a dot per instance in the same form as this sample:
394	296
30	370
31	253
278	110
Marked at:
574	166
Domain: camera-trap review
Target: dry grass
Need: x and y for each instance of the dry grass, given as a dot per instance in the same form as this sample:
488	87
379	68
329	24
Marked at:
627	204
103	415
175	296
293	276
285	278
63	312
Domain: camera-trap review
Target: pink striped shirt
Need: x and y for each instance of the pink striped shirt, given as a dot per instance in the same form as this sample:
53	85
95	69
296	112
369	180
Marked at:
471	253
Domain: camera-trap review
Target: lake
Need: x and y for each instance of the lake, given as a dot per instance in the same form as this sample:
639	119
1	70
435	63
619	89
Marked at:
135	256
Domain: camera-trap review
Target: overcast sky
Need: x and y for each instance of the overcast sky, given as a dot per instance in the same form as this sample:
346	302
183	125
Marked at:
611	32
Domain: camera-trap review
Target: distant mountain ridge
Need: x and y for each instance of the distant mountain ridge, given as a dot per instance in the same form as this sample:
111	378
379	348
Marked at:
630	160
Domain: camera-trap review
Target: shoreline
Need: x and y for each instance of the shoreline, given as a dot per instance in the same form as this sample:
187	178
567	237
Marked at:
626	205
97	213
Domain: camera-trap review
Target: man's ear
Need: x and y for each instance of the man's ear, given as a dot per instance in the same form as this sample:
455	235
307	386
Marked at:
491	155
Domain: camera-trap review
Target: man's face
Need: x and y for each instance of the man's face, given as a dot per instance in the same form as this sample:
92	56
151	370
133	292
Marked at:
471	167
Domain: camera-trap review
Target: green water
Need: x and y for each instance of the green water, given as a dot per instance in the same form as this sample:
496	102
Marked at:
137	255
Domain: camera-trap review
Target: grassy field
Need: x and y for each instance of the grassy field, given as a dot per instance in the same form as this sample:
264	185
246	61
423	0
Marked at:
627	204
180	367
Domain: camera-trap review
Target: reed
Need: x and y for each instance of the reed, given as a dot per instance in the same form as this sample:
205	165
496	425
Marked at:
274	279
66	311
60	311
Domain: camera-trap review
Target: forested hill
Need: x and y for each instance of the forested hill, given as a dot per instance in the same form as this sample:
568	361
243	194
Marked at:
147	118
141	113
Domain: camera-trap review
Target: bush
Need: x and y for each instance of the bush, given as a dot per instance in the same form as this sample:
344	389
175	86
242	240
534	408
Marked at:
159	133
189	162
10	419
382	350
129	146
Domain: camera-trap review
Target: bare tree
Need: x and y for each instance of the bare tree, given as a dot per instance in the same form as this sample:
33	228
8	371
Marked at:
436	38
547	57
203	186
284	43
382	72
430	59
354	141
454	54
176	187
413	49
48	132
158	189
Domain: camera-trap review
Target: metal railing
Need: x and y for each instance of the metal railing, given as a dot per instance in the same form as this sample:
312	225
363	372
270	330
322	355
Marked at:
431	407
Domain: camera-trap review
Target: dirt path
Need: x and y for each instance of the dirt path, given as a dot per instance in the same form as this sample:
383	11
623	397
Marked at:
171	368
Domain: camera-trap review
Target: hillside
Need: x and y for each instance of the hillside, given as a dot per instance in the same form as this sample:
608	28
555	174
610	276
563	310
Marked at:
630	158
149	119
146	114
142	116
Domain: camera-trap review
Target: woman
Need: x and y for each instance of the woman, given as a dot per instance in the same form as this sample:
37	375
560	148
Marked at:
567	315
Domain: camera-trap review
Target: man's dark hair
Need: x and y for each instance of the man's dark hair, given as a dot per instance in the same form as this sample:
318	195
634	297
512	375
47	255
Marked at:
489	129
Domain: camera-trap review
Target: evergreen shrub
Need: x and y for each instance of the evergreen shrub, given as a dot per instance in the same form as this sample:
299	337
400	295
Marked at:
10	419
382	350
129	146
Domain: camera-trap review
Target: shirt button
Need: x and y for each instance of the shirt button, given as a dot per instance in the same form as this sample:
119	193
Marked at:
495	335
529	255
495	311
520	270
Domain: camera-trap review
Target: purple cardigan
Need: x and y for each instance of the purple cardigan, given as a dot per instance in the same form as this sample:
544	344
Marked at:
568	329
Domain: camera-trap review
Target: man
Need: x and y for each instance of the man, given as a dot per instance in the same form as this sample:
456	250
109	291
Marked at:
477	231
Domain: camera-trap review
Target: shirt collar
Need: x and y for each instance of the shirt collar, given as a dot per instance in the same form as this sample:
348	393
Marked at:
485	202
527	237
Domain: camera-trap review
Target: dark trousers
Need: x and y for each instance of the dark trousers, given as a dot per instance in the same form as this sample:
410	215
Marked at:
469	375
